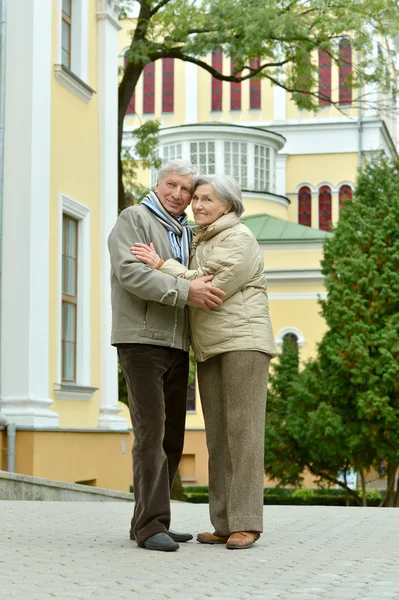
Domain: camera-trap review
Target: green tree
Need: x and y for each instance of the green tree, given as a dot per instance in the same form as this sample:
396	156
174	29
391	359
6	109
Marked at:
342	410
303	432
281	33
361	268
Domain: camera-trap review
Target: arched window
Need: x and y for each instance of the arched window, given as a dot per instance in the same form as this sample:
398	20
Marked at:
324	78
345	71
325	208
217	88
235	90
131	109
291	339
149	88
305	206
168	84
345	193
254	88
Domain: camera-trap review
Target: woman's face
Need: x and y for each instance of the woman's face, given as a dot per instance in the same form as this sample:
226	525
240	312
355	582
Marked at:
206	205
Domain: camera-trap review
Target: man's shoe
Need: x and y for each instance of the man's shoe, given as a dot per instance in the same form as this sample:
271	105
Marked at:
240	540
179	537
161	542
211	538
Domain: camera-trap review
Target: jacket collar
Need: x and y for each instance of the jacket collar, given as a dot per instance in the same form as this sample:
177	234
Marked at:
224	222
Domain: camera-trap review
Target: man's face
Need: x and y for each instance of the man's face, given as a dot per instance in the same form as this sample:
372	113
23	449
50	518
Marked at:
174	192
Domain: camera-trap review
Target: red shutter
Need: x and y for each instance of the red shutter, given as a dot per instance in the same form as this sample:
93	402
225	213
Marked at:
345	71
217	89
168	77
345	193
131	109
325	208
324	78
235	91
305	206
254	88
149	88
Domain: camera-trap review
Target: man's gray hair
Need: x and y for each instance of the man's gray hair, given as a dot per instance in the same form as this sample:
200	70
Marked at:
226	188
179	166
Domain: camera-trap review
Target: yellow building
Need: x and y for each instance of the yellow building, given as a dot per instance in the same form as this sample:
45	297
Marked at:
295	169
59	202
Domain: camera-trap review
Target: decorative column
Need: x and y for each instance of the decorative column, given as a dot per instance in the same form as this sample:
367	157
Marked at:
108	27
191	91
24	394
281	174
280	104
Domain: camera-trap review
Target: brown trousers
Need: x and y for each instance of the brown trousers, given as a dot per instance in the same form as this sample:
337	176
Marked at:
233	388
156	378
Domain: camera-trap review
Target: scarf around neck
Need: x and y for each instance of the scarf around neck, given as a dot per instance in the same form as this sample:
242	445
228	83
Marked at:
179	231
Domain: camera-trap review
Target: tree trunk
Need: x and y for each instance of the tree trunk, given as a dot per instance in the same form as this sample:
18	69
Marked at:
390	496
397	494
363	481
177	491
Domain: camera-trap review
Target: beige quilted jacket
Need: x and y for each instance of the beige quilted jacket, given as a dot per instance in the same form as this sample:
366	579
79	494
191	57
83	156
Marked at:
228	250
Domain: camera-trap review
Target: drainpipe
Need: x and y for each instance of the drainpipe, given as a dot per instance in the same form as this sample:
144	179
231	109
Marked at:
11	435
360	121
11	428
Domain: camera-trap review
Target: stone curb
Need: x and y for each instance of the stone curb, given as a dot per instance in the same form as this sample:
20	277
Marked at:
14	486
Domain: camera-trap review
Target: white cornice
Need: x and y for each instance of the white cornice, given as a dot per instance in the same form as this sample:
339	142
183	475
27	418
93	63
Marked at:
297	245
303	276
109	10
73	83
266	197
222	131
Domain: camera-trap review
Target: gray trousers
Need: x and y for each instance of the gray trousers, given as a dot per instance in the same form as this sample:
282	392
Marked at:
156	378
233	388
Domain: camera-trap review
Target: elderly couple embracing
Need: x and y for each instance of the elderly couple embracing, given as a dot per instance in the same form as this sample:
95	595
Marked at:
170	287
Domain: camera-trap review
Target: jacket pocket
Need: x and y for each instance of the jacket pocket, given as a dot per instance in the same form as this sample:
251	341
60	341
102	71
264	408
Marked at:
157	321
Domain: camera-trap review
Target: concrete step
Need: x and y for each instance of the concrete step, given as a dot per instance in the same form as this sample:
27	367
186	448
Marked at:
14	486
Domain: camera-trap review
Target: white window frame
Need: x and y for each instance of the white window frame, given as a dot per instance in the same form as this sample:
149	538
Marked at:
204	168
240	165
76	81
258	168
295	331
81	390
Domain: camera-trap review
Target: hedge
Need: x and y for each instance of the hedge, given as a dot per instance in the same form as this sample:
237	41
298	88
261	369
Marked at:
284	496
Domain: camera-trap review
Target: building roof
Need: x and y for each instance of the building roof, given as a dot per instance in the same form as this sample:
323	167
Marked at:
268	230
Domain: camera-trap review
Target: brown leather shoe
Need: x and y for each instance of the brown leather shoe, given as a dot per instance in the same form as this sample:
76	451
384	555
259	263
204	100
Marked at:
240	540
211	538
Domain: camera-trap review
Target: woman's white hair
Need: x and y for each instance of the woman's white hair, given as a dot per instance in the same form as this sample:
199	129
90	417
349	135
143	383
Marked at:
226	188
179	166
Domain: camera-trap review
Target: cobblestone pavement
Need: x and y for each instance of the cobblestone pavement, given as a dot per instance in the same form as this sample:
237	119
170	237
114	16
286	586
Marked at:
82	551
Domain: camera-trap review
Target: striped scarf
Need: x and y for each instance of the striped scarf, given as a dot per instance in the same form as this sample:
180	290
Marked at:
179	231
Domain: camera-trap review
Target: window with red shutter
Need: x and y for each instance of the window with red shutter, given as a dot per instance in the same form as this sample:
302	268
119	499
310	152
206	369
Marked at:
168	84
235	90
254	88
345	71
217	89
149	88
305	206
324	78
325	208
345	194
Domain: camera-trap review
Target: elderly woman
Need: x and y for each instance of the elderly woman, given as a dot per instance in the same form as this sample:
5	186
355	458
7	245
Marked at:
233	345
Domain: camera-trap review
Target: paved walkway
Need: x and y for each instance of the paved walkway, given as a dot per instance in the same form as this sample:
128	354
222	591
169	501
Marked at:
82	551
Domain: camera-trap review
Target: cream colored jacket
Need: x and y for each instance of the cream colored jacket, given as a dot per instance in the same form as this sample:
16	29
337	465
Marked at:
228	250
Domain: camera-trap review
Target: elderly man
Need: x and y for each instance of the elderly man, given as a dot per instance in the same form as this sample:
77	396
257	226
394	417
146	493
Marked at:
150	330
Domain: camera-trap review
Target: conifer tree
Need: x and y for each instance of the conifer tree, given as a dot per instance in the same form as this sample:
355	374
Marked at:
342	410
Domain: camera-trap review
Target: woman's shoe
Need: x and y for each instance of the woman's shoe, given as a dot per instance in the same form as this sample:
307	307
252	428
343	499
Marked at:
240	540
211	538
